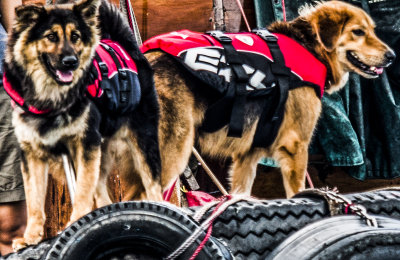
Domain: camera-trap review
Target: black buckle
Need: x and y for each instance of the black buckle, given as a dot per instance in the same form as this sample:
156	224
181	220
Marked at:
124	96
265	34
220	36
103	69
122	74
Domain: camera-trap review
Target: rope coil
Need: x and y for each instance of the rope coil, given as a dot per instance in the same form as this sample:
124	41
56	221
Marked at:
220	206
338	204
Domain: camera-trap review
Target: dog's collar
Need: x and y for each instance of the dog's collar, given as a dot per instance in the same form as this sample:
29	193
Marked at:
17	99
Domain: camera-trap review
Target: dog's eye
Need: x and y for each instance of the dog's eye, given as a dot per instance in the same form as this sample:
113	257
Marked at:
74	37
52	37
358	32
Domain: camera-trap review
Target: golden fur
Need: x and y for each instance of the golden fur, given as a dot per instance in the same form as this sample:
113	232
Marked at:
329	31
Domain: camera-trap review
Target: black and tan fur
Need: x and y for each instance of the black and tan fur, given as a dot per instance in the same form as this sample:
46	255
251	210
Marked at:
331	31
48	41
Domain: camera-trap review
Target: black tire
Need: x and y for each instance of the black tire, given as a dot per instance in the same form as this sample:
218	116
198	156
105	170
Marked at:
379	202
35	252
252	230
144	230
342	237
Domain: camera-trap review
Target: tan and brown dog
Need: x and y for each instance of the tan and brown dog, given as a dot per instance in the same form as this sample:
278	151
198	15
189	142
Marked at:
338	34
48	68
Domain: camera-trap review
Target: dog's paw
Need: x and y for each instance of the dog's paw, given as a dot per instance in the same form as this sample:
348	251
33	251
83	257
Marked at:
23	242
69	224
18	244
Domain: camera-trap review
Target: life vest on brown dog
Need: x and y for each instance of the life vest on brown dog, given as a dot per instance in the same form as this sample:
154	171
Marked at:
241	66
115	85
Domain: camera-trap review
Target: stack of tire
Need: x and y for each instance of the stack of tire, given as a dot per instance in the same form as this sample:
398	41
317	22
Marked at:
300	228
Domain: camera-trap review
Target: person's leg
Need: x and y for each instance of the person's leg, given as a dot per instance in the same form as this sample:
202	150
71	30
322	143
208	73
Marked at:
12	224
12	197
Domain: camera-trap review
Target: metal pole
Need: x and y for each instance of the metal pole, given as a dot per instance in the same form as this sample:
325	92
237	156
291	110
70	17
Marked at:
219	19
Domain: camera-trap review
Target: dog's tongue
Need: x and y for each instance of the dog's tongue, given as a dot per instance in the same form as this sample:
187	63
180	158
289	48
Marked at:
377	70
65	76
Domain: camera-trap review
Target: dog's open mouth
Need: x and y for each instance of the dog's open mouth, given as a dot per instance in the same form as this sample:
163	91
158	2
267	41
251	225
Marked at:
62	77
370	70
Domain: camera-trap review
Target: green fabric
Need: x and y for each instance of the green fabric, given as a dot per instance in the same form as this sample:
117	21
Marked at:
359	128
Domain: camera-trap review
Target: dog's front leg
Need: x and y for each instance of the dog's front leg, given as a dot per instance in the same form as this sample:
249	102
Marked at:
292	156
243	173
35	175
88	171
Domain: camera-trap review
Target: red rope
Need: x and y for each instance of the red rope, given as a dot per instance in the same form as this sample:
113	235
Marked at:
244	15
284	10
128	12
309	180
209	229
346	210
202	244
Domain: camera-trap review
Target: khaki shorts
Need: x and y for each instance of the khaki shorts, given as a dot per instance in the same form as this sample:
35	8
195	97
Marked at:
11	184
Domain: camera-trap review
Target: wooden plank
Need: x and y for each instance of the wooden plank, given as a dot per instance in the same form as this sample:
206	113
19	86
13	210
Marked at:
160	16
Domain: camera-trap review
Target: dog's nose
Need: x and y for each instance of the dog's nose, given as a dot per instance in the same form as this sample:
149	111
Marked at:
390	56
69	61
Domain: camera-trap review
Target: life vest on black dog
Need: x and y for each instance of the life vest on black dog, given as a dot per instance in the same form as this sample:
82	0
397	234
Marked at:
241	66
115	81
115	85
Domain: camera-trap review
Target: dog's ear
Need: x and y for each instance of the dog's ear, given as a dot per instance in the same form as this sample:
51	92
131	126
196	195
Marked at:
88	8
26	14
328	26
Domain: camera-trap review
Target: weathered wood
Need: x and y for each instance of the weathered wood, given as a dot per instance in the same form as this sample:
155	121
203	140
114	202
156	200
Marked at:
161	16
219	16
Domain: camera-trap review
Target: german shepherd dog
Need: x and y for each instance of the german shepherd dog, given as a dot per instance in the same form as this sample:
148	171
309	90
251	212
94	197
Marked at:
339	35
49	55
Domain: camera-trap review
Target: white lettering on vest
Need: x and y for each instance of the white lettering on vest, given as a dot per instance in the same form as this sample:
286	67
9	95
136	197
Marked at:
208	59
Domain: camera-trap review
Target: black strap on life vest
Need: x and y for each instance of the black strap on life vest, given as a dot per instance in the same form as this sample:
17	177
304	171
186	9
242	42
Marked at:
267	130
107	88
233	102
235	99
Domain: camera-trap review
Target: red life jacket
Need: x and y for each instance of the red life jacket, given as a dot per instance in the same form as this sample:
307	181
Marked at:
242	66
301	62
115	84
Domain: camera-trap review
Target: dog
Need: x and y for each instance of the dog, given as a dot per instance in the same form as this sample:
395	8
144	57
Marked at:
339	35
48	67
